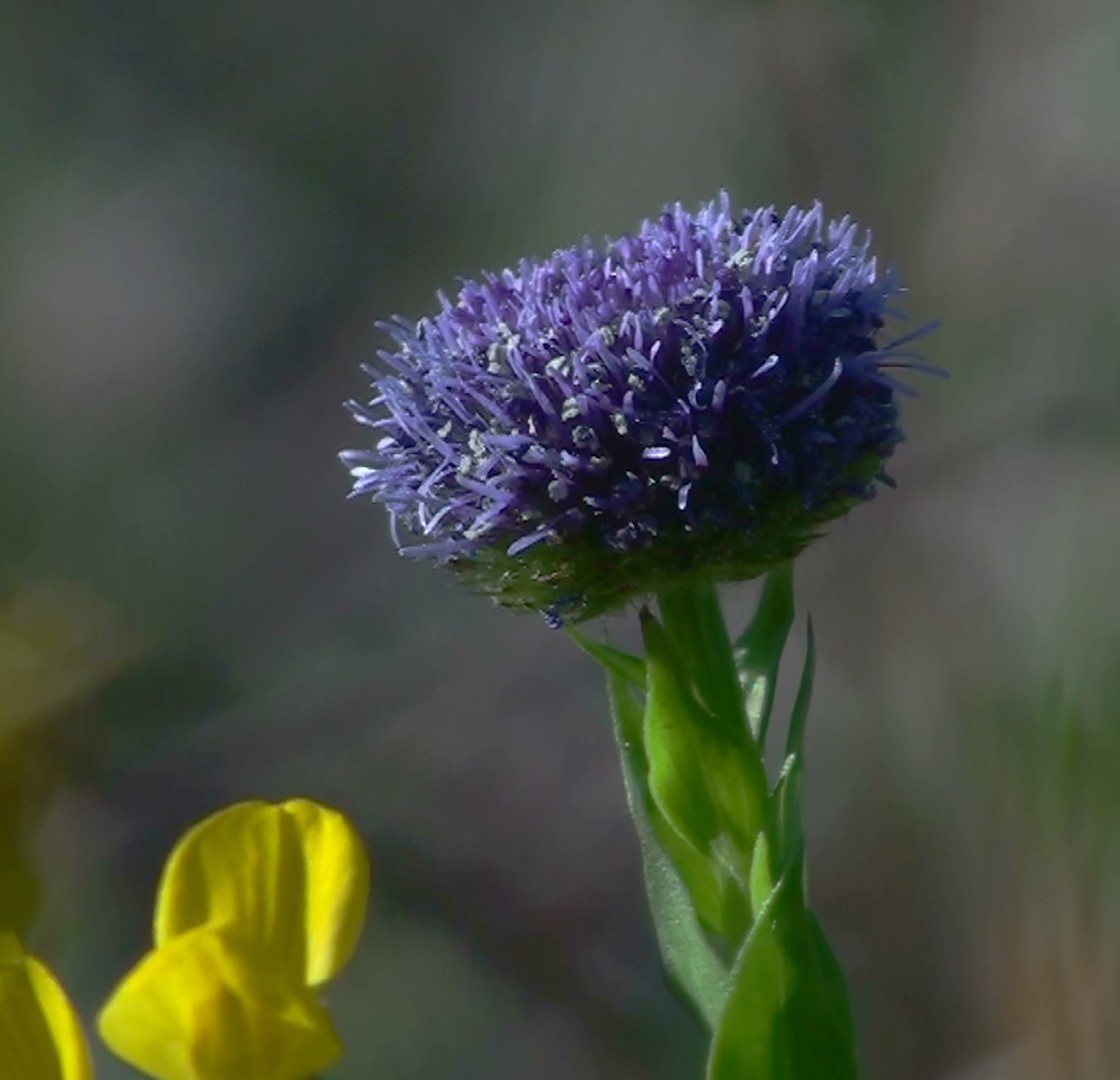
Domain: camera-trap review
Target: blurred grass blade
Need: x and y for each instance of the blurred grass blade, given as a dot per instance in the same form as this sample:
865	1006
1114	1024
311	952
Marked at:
758	650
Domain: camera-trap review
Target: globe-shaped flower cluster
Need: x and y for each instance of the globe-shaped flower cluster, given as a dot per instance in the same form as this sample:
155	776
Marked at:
691	401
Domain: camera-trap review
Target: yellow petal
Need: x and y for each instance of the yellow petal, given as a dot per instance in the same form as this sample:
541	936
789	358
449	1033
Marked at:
245	866
40	1035
65	1028
208	1005
338	877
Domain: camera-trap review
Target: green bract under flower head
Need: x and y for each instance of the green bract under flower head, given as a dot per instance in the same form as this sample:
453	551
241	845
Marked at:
692	401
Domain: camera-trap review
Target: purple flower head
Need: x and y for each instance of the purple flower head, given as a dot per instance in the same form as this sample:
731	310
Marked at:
696	399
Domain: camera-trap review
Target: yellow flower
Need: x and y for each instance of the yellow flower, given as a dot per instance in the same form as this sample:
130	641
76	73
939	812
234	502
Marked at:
258	906
58	646
40	1036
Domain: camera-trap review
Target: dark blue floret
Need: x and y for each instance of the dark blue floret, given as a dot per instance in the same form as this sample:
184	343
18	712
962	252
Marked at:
697	398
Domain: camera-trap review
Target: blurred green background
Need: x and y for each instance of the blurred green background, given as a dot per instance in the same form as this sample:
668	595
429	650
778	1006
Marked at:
203	208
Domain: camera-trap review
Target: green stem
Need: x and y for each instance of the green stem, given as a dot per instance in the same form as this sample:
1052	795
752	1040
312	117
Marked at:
722	854
694	621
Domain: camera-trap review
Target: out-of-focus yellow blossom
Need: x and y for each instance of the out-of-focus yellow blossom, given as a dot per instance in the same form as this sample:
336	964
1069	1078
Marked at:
258	906
40	1035
59	647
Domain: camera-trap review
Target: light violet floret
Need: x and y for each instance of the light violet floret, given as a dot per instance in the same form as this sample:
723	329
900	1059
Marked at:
699	376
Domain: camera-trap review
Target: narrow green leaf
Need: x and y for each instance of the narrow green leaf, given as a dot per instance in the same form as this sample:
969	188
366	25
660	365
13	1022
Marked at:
672	731
695	623
717	906
786	800
631	668
796	735
786	1016
762	881
758	650
696	869
697	761
691	963
719	902
702	879
626	715
735	913
835	990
